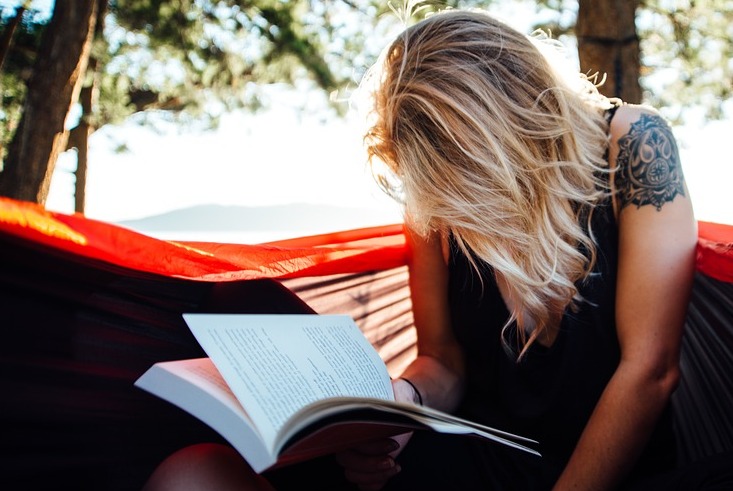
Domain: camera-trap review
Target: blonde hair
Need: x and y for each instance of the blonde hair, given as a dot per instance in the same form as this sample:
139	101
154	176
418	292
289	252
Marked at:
489	144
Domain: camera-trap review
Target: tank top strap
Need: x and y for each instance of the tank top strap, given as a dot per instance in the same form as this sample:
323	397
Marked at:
611	111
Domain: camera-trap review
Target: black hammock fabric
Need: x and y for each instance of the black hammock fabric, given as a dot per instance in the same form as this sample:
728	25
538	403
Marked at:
75	336
704	400
77	330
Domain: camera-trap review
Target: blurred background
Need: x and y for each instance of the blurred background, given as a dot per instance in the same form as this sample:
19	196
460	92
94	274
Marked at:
233	121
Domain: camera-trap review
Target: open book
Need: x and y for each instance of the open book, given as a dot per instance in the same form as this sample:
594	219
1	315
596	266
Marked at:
286	388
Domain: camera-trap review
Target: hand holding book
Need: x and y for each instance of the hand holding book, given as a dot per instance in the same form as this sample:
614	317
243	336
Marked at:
284	388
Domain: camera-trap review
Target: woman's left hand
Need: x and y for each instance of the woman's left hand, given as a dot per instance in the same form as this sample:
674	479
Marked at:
372	464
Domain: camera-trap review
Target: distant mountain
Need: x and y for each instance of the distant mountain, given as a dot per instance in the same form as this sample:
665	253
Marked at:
292	217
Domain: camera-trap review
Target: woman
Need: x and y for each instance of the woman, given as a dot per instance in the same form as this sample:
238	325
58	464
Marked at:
551	242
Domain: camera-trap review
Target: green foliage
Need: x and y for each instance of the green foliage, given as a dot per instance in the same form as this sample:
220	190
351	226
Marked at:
196	59
193	60
13	93
208	57
16	70
688	48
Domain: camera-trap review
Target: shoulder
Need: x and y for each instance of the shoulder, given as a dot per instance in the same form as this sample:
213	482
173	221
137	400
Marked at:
644	158
629	115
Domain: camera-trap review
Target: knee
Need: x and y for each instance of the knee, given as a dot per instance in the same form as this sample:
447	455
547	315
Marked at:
205	466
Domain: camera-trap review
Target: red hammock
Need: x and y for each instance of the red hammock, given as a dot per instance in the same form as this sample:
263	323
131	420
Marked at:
352	251
87	306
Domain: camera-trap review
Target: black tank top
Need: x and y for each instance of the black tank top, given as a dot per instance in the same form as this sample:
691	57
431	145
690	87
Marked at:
550	394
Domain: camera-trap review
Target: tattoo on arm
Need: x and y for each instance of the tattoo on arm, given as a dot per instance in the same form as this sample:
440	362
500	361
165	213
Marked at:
648	164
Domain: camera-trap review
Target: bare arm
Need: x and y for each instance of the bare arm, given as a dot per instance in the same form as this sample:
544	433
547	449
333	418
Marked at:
657	237
437	372
438	369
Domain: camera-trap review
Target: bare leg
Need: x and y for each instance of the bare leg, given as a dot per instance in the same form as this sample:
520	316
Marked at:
205	466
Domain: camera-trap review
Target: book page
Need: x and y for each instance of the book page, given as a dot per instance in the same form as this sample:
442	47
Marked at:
204	373
276	364
397	414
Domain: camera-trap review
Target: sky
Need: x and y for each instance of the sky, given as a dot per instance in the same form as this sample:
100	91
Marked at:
277	157
251	160
282	157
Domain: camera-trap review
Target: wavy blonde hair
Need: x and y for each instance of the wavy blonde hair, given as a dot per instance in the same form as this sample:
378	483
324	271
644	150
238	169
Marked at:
490	144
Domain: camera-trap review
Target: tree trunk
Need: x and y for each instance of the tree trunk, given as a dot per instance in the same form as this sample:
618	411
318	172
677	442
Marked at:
88	98
608	45
82	148
52	89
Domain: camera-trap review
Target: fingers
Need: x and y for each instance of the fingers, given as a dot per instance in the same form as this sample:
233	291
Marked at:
369	465
401	441
373	477
370	456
